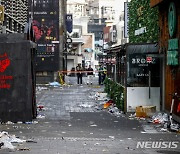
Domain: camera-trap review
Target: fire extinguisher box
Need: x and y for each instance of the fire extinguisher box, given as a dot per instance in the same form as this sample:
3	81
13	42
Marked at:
17	78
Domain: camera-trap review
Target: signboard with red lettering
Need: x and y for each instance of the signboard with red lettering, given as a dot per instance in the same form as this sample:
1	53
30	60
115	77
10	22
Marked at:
139	66
149	59
17	78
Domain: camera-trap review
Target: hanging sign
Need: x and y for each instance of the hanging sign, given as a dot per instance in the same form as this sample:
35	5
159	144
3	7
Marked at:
69	22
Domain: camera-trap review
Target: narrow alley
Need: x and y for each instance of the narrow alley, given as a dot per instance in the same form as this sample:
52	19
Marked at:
71	121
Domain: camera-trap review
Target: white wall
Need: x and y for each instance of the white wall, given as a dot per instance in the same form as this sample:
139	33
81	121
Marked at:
139	96
70	64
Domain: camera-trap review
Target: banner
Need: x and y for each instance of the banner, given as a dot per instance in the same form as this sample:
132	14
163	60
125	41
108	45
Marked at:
69	23
126	19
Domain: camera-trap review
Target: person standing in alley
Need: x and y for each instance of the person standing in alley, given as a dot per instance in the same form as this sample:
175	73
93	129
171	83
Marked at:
104	74
89	75
79	74
100	74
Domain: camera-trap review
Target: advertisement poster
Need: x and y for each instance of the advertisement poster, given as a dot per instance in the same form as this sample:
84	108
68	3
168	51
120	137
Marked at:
45	26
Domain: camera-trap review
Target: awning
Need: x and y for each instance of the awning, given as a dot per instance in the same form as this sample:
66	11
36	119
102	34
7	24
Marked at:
142	48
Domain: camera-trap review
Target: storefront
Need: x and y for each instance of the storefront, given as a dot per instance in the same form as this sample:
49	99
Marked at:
137	68
169	23
143	76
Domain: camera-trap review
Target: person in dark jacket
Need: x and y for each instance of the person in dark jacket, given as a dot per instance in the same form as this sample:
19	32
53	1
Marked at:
89	75
100	74
79	74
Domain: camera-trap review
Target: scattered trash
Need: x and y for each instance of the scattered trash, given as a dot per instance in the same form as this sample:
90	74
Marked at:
40	107
28	122
31	122
104	150
86	105
9	123
132	116
140	118
6	140
164	130
142	132
31	141
112	137
38	88
174	127
159	118
55	84
101	96
128	148
35	122
98	107
13	139
107	104
93	125
40	116
145	111
23	149
97	144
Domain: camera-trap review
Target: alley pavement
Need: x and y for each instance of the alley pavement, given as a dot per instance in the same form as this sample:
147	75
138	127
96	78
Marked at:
70	123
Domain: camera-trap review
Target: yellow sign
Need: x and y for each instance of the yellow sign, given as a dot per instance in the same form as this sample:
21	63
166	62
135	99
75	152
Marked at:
1	13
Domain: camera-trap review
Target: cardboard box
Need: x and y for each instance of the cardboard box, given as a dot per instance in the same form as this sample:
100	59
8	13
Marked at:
145	111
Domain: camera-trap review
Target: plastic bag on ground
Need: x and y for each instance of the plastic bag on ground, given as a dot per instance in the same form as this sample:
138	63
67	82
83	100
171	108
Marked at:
6	140
101	96
160	118
55	84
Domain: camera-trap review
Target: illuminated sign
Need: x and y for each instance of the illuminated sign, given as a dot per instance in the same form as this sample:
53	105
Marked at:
46	29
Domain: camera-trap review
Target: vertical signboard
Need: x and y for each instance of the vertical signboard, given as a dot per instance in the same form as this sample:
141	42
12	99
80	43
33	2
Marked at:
69	22
45	26
126	20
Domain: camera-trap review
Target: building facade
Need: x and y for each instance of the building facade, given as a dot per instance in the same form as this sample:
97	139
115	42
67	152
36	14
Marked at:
14	16
169	23
49	28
